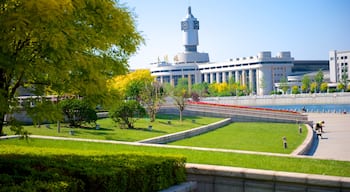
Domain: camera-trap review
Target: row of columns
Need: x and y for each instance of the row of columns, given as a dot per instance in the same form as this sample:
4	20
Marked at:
245	77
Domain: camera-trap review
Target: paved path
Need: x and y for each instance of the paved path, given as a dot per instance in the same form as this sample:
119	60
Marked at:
336	139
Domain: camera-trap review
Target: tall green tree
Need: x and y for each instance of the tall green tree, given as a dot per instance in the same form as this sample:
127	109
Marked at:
284	85
151	98
343	78
319	79
305	84
70	46
179	94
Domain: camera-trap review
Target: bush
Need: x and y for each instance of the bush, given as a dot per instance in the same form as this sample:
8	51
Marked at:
78	112
127	113
123	172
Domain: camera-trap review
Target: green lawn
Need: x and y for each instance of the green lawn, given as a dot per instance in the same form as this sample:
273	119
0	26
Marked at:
110	130
264	137
289	164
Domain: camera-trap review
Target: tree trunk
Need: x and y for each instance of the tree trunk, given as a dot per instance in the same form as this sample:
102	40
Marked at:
58	126
180	115
2	116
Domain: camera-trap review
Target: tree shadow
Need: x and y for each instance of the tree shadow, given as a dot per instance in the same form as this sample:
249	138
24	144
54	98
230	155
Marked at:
148	130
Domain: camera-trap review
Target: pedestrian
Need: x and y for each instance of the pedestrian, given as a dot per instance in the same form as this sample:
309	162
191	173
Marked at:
319	126
319	133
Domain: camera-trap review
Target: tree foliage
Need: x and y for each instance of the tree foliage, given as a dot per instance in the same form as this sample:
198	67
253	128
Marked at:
284	85
151	97
69	46
319	79
131	85
78	112
126	113
305	84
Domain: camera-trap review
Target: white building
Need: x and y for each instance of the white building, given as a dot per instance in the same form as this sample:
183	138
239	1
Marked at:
259	73
339	66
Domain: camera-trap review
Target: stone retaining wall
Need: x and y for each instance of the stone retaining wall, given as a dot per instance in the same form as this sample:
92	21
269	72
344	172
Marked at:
290	99
187	134
212	178
240	114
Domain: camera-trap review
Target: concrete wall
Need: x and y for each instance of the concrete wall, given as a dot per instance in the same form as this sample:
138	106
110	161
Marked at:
298	99
240	114
211	178
187	134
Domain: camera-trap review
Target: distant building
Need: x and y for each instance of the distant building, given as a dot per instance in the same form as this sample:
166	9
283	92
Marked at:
261	73
339	66
310	65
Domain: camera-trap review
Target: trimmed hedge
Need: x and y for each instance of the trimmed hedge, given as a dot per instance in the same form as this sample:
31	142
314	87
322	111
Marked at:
122	172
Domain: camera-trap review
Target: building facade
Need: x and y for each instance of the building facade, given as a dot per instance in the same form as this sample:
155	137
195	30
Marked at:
259	73
339	66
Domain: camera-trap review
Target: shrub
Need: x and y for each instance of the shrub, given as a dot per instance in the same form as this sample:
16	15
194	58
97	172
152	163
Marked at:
123	172
127	113
78	112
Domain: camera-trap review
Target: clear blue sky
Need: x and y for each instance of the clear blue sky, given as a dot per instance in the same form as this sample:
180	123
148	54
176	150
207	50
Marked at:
242	28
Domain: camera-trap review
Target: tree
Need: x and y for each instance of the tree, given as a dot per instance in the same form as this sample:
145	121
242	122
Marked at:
305	84
179	94
201	89
151	97
295	89
131	85
42	110
284	85
313	87
127	113
343	79
324	87
68	46
78	112
319	79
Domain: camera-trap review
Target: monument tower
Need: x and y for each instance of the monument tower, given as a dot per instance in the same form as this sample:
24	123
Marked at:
189	28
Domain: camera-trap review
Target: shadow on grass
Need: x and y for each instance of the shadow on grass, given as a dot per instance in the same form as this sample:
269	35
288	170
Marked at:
147	130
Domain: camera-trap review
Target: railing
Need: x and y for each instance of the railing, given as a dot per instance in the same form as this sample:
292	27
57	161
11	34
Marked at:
243	113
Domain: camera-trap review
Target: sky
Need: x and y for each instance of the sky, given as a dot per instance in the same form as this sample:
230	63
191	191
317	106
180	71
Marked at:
309	29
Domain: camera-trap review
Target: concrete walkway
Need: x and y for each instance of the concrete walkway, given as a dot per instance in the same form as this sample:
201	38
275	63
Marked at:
336	137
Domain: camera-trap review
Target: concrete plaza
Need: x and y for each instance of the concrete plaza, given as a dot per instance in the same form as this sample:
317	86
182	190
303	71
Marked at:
335	143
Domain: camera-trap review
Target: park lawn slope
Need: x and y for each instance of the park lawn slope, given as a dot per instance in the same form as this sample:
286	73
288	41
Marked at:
250	136
288	164
109	130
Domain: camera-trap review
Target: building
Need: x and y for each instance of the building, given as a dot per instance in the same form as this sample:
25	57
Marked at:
260	73
310	66
339	66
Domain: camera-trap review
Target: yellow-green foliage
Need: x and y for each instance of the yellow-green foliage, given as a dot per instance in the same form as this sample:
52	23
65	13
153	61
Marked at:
42	169
121	82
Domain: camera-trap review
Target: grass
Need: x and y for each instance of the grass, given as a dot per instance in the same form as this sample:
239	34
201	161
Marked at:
264	137
289	164
110	130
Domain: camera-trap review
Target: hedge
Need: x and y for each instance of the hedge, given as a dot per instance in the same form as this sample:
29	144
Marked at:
121	172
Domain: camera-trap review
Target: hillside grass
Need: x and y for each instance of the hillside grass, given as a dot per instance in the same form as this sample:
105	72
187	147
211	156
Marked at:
289	164
109	130
250	136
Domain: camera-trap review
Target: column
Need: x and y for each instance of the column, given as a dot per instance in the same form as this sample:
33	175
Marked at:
229	75
211	78
244	80
250	79
224	77
237	76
